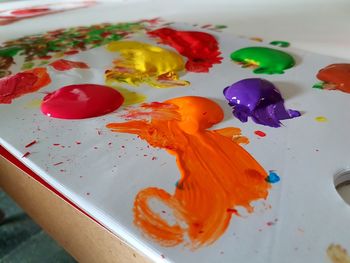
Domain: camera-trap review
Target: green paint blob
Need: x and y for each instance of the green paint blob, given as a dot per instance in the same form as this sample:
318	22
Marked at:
318	85
280	43
265	60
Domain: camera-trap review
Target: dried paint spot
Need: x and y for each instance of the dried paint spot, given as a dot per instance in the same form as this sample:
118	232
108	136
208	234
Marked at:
337	254
14	86
206	159
334	77
260	133
25	154
143	63
201	49
63	65
259	99
264	60
321	119
81	101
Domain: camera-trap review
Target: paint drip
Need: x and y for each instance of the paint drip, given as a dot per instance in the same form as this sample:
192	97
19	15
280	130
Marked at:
81	101
259	99
217	174
143	63
14	86
264	60
63	65
201	49
335	77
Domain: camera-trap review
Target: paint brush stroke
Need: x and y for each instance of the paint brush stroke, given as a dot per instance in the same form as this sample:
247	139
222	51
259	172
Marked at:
217	174
200	48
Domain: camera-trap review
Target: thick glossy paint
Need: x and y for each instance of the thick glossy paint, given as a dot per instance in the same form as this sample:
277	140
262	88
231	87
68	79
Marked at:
259	99
14	86
81	101
335	76
217	174
201	49
143	63
264	60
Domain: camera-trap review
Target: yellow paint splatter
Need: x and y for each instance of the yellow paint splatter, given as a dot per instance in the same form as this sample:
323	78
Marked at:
143	63
321	119
337	254
130	97
33	104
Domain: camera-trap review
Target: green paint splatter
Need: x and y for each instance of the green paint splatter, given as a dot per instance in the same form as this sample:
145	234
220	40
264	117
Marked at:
220	26
41	49
264	60
280	43
318	85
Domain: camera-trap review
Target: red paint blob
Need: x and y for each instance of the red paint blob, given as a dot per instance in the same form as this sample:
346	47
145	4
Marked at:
81	101
337	76
260	133
21	83
63	64
201	49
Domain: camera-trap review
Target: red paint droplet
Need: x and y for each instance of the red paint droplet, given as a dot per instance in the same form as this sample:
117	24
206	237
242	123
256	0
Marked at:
26	154
55	164
71	52
87	193
123	146
31	143
77	142
56	144
81	101
260	133
63	64
154	158
232	210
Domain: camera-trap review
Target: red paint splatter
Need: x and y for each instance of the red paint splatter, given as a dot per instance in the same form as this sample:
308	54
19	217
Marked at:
336	76
81	101
55	164
31	143
260	133
14	86
26	154
56	144
77	142
201	49
29	11
63	65
154	158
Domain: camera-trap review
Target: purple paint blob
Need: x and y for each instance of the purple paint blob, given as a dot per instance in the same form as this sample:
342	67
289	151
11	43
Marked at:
259	99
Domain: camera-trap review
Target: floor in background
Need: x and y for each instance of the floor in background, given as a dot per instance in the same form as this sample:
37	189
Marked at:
23	241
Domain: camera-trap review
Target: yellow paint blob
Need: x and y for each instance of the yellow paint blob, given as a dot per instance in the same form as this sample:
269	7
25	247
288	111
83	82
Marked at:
144	63
321	119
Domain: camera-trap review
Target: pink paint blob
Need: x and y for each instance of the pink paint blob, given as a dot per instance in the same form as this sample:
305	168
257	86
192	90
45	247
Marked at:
81	101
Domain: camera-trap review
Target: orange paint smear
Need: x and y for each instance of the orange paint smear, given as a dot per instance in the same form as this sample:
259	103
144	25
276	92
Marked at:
63	65
217	175
14	86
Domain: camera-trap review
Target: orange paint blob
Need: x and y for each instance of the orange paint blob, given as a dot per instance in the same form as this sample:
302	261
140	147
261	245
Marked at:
336	76
217	174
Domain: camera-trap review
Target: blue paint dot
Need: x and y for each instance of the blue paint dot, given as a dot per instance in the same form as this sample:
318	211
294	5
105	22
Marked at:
272	177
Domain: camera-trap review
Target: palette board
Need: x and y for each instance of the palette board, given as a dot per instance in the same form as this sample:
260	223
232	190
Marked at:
175	199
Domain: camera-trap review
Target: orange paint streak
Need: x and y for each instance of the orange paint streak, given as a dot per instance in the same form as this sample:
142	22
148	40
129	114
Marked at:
216	173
